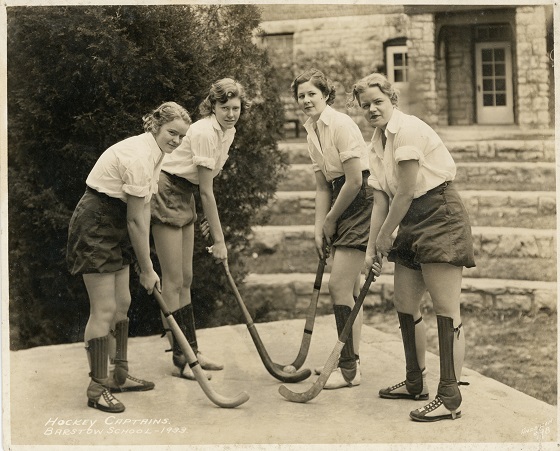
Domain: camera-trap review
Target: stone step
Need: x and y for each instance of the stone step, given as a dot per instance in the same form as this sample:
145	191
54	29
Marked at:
538	148
531	209
288	295
508	176
501	252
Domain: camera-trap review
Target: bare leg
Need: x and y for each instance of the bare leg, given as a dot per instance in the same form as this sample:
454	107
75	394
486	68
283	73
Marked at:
102	304
346	268
409	289
444	284
102	298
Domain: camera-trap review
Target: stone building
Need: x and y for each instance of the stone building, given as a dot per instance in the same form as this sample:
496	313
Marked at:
482	76
454	64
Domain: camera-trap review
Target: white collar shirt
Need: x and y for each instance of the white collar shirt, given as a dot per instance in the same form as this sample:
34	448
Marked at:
205	144
409	138
339	140
129	167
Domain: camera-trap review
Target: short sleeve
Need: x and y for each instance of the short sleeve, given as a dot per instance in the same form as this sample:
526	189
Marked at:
137	178
409	145
203	147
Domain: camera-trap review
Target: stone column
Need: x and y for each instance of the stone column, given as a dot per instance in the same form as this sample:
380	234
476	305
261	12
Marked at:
533	87
422	68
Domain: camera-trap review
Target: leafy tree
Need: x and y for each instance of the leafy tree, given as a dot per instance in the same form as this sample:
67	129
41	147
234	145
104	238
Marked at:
79	80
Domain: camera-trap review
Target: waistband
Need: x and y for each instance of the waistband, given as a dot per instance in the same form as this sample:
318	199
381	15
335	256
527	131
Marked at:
178	179
439	187
104	197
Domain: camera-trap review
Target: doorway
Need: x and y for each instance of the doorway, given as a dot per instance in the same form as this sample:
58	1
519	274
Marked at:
494	86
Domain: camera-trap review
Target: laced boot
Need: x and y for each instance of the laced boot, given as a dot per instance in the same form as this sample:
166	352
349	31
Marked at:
205	362
120	380
183	370
348	373
448	398
99	397
414	386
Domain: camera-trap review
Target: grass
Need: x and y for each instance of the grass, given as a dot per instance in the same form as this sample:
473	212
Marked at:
514	348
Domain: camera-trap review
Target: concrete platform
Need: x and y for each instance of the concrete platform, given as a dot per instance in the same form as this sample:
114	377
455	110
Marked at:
46	404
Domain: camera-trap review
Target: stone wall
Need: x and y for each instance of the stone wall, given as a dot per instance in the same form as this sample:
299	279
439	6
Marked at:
423	99
339	34
460	76
533	89
442	91
301	11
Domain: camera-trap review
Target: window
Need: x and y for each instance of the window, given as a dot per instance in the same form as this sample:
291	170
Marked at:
496	32
280	47
397	64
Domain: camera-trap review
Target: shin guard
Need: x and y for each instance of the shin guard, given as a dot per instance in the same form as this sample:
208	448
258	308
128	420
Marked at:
98	357
179	358
413	370
347	360
448	388
188	318
121	359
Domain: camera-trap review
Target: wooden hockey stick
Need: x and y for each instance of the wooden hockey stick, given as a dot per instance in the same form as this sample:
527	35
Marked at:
311	313
332	361
274	369
201	378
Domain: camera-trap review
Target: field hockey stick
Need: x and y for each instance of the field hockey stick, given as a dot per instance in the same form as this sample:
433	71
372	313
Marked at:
274	369
311	312
319	384
201	378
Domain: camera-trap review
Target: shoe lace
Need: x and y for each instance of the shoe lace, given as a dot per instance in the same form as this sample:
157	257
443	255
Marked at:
433	405
134	379
109	398
399	385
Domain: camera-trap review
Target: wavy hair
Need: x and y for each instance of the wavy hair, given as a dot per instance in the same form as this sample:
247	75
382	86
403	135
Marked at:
166	112
317	79
220	92
370	81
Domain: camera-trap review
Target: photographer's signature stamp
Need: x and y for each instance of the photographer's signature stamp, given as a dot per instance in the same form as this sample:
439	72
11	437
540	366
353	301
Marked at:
540	432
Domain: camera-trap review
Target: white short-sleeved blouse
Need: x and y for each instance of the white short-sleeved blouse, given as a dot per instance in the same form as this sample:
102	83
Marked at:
205	144
409	138
341	139
130	166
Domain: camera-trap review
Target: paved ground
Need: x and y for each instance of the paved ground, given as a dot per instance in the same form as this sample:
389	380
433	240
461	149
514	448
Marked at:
48	405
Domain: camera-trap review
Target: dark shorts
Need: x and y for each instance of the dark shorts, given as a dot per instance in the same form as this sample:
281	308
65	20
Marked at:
352	228
436	229
173	204
98	239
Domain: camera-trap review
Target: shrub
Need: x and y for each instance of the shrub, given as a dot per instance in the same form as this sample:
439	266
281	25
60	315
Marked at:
79	80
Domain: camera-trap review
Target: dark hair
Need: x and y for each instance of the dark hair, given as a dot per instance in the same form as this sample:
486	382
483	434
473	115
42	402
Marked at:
317	79
166	112
220	92
370	81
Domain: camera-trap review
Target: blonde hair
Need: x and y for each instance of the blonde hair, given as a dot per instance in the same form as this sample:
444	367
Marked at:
370	81
166	112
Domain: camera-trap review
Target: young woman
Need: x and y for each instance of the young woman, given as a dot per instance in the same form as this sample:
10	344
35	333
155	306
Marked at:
412	173
112	215
192	166
343	206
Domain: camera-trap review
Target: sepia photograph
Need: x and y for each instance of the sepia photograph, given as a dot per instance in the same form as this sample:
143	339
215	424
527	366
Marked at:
266	225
